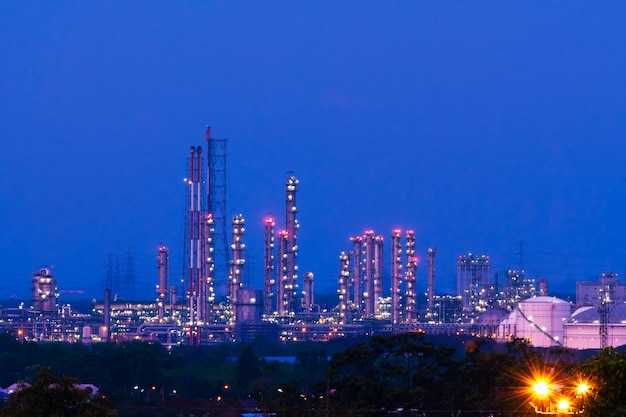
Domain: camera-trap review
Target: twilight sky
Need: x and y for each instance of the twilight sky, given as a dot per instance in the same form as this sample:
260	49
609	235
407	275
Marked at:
477	124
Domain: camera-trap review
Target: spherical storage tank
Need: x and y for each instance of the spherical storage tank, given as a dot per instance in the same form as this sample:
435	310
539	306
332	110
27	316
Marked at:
540	320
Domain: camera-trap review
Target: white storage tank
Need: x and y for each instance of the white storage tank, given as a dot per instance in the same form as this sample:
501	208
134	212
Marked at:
541	320
86	334
582	330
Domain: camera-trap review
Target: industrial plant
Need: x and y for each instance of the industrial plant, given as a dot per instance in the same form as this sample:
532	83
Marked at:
373	296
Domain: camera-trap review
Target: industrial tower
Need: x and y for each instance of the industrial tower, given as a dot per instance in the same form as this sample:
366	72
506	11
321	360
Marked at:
378	273
207	292
194	272
163	260
237	263
372	265
44	293
291	227
472	274
216	205
357	275
430	286
410	277
368	280
308	292
605	303
268	267
344	278
285	289
396	276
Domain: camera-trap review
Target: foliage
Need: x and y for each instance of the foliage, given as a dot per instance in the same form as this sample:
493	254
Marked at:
376	376
52	396
607	373
406	372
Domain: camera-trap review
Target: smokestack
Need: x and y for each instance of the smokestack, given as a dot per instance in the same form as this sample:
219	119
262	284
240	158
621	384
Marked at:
107	315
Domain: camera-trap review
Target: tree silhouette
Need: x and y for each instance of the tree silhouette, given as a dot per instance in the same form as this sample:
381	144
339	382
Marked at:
51	396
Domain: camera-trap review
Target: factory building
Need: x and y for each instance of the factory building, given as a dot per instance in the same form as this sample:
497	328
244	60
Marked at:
587	292
44	295
472	277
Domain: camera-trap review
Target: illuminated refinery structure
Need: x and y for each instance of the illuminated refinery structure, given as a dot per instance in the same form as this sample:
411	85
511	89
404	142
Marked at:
344	284
472	277
194	243
269	295
237	262
308	292
430	286
163	260
357	274
410	276
44	293
373	297
396	276
290	279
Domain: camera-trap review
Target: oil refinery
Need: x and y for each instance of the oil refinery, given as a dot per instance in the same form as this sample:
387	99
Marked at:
373	297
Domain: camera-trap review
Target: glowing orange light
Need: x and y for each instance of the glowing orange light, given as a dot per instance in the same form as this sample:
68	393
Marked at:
563	405
541	388
582	388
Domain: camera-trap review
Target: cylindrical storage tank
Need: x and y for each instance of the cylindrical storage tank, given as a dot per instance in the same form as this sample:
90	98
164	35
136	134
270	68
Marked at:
86	335
103	332
542	321
249	306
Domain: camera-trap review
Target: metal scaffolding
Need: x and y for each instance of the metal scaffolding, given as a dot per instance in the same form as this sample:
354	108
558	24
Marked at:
216	205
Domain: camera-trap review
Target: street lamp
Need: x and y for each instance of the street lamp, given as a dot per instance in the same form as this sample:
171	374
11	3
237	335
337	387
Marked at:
558	398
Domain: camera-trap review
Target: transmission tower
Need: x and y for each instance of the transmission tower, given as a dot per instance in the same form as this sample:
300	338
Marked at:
605	302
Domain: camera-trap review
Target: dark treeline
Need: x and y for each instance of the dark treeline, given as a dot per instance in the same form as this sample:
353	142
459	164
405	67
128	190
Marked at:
408	374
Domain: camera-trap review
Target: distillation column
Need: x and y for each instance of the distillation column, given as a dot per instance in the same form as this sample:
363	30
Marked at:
410	277
308	295
268	266
291	226
378	272
357	274
396	276
368	281
163	260
207	291
282	301
430	290
237	263
344	277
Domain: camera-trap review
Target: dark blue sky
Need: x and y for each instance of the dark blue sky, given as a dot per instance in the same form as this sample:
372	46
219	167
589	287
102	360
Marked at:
477	124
